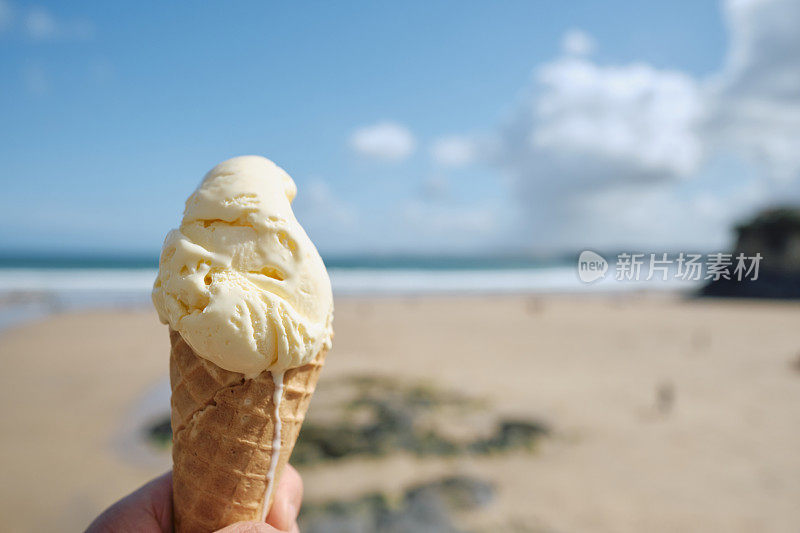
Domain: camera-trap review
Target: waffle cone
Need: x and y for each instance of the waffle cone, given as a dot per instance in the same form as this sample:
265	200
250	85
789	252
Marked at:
223	427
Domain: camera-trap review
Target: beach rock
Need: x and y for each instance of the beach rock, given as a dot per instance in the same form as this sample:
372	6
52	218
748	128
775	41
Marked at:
775	234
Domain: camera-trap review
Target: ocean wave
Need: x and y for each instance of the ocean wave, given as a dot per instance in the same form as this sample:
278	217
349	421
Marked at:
344	280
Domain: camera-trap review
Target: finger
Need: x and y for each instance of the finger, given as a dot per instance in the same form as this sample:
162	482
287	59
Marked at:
160	495
288	497
249	527
148	509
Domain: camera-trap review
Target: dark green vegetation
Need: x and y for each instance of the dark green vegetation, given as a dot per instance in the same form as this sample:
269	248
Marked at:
160	433
382	416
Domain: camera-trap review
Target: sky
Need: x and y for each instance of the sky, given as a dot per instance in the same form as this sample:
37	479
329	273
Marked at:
409	127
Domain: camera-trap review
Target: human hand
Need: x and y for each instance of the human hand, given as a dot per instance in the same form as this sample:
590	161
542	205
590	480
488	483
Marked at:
149	509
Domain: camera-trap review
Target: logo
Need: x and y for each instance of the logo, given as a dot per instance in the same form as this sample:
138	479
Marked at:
591	266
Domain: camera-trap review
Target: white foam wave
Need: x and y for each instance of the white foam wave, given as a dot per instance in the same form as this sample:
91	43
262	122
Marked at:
345	281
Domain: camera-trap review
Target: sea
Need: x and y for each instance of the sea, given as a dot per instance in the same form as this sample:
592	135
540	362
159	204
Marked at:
33	286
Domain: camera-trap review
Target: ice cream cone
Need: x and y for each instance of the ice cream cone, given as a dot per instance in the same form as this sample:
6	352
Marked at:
250	309
226	436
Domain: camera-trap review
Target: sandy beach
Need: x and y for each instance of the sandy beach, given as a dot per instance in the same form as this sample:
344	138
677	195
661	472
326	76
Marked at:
663	414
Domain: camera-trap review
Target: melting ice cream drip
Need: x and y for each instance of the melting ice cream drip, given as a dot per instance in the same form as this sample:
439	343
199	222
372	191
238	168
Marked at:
277	396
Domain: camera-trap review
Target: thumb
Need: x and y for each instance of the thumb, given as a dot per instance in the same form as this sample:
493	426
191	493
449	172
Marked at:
249	527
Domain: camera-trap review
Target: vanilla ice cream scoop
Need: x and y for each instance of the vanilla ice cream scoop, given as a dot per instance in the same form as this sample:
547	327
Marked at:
239	279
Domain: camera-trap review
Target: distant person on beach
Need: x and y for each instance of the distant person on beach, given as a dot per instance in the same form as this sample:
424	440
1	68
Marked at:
149	509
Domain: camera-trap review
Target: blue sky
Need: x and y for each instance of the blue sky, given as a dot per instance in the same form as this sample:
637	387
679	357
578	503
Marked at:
112	113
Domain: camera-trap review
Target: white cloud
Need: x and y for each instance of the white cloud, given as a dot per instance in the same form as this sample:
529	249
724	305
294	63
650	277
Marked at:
40	24
661	217
765	45
635	114
606	155
454	151
388	141
577	42
757	94
587	130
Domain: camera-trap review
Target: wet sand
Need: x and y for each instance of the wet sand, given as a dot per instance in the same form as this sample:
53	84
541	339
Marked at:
666	415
